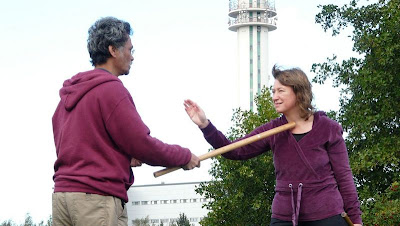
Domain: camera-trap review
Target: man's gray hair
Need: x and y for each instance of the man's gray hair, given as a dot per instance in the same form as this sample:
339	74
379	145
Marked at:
103	33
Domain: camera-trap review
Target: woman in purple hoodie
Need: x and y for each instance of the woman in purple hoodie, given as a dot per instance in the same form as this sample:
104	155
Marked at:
314	182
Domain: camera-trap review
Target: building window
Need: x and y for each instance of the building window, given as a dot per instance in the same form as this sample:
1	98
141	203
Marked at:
155	221
145	202
135	203
203	200
164	201
154	202
194	219
174	201
183	200
193	200
164	220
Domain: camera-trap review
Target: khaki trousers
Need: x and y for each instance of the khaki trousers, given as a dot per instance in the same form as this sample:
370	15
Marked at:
81	209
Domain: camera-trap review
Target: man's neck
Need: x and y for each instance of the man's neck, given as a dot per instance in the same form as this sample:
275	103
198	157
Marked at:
108	68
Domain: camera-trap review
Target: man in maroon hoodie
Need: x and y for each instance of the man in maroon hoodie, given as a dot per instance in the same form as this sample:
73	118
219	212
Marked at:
99	135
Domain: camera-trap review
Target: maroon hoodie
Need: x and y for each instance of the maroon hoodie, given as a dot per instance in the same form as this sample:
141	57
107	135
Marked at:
97	131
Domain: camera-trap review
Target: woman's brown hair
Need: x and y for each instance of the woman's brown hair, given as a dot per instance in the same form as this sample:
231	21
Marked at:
301	86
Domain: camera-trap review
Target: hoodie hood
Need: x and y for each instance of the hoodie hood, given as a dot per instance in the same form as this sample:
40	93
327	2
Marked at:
76	87
320	114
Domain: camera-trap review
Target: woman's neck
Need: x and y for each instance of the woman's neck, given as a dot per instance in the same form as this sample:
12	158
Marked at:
303	125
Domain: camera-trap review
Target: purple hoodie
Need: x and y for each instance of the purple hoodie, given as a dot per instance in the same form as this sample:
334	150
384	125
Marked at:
97	131
313	176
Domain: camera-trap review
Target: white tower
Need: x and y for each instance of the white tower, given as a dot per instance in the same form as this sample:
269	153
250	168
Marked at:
252	20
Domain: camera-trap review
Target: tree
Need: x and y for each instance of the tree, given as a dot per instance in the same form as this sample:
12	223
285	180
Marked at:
142	222
50	221
181	221
8	223
28	220
370	99
241	192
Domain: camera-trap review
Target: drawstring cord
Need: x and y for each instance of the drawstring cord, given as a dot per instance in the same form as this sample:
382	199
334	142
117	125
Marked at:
296	209
299	192
293	207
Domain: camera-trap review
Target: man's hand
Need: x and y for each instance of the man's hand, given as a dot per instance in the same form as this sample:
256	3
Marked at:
194	162
135	162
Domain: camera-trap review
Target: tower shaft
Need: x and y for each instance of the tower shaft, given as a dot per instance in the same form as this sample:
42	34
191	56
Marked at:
252	20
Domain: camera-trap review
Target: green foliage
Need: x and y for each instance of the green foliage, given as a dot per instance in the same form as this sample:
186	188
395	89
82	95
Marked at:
8	223
241	192
50	221
142	222
27	222
370	99
181	221
384	208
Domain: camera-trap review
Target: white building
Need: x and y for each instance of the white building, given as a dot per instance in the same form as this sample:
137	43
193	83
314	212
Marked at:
251	20
164	202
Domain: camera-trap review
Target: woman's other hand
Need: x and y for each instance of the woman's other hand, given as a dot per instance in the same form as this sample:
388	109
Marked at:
196	114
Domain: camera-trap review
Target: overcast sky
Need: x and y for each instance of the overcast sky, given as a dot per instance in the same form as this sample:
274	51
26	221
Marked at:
183	50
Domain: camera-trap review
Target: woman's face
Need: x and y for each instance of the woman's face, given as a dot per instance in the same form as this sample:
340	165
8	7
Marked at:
284	98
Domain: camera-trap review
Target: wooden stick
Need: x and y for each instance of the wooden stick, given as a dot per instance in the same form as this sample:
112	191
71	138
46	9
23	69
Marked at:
233	146
347	219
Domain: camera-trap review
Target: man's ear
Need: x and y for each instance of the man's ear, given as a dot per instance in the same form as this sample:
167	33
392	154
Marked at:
112	50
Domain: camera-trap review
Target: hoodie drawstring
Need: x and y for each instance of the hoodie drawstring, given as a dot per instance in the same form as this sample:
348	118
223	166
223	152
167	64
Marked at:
296	209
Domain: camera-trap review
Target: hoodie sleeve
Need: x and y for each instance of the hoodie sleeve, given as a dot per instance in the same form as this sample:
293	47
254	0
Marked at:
339	159
132	136
217	139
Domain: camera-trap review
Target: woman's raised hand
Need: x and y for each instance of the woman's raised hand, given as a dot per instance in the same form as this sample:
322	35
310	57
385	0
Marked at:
196	114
